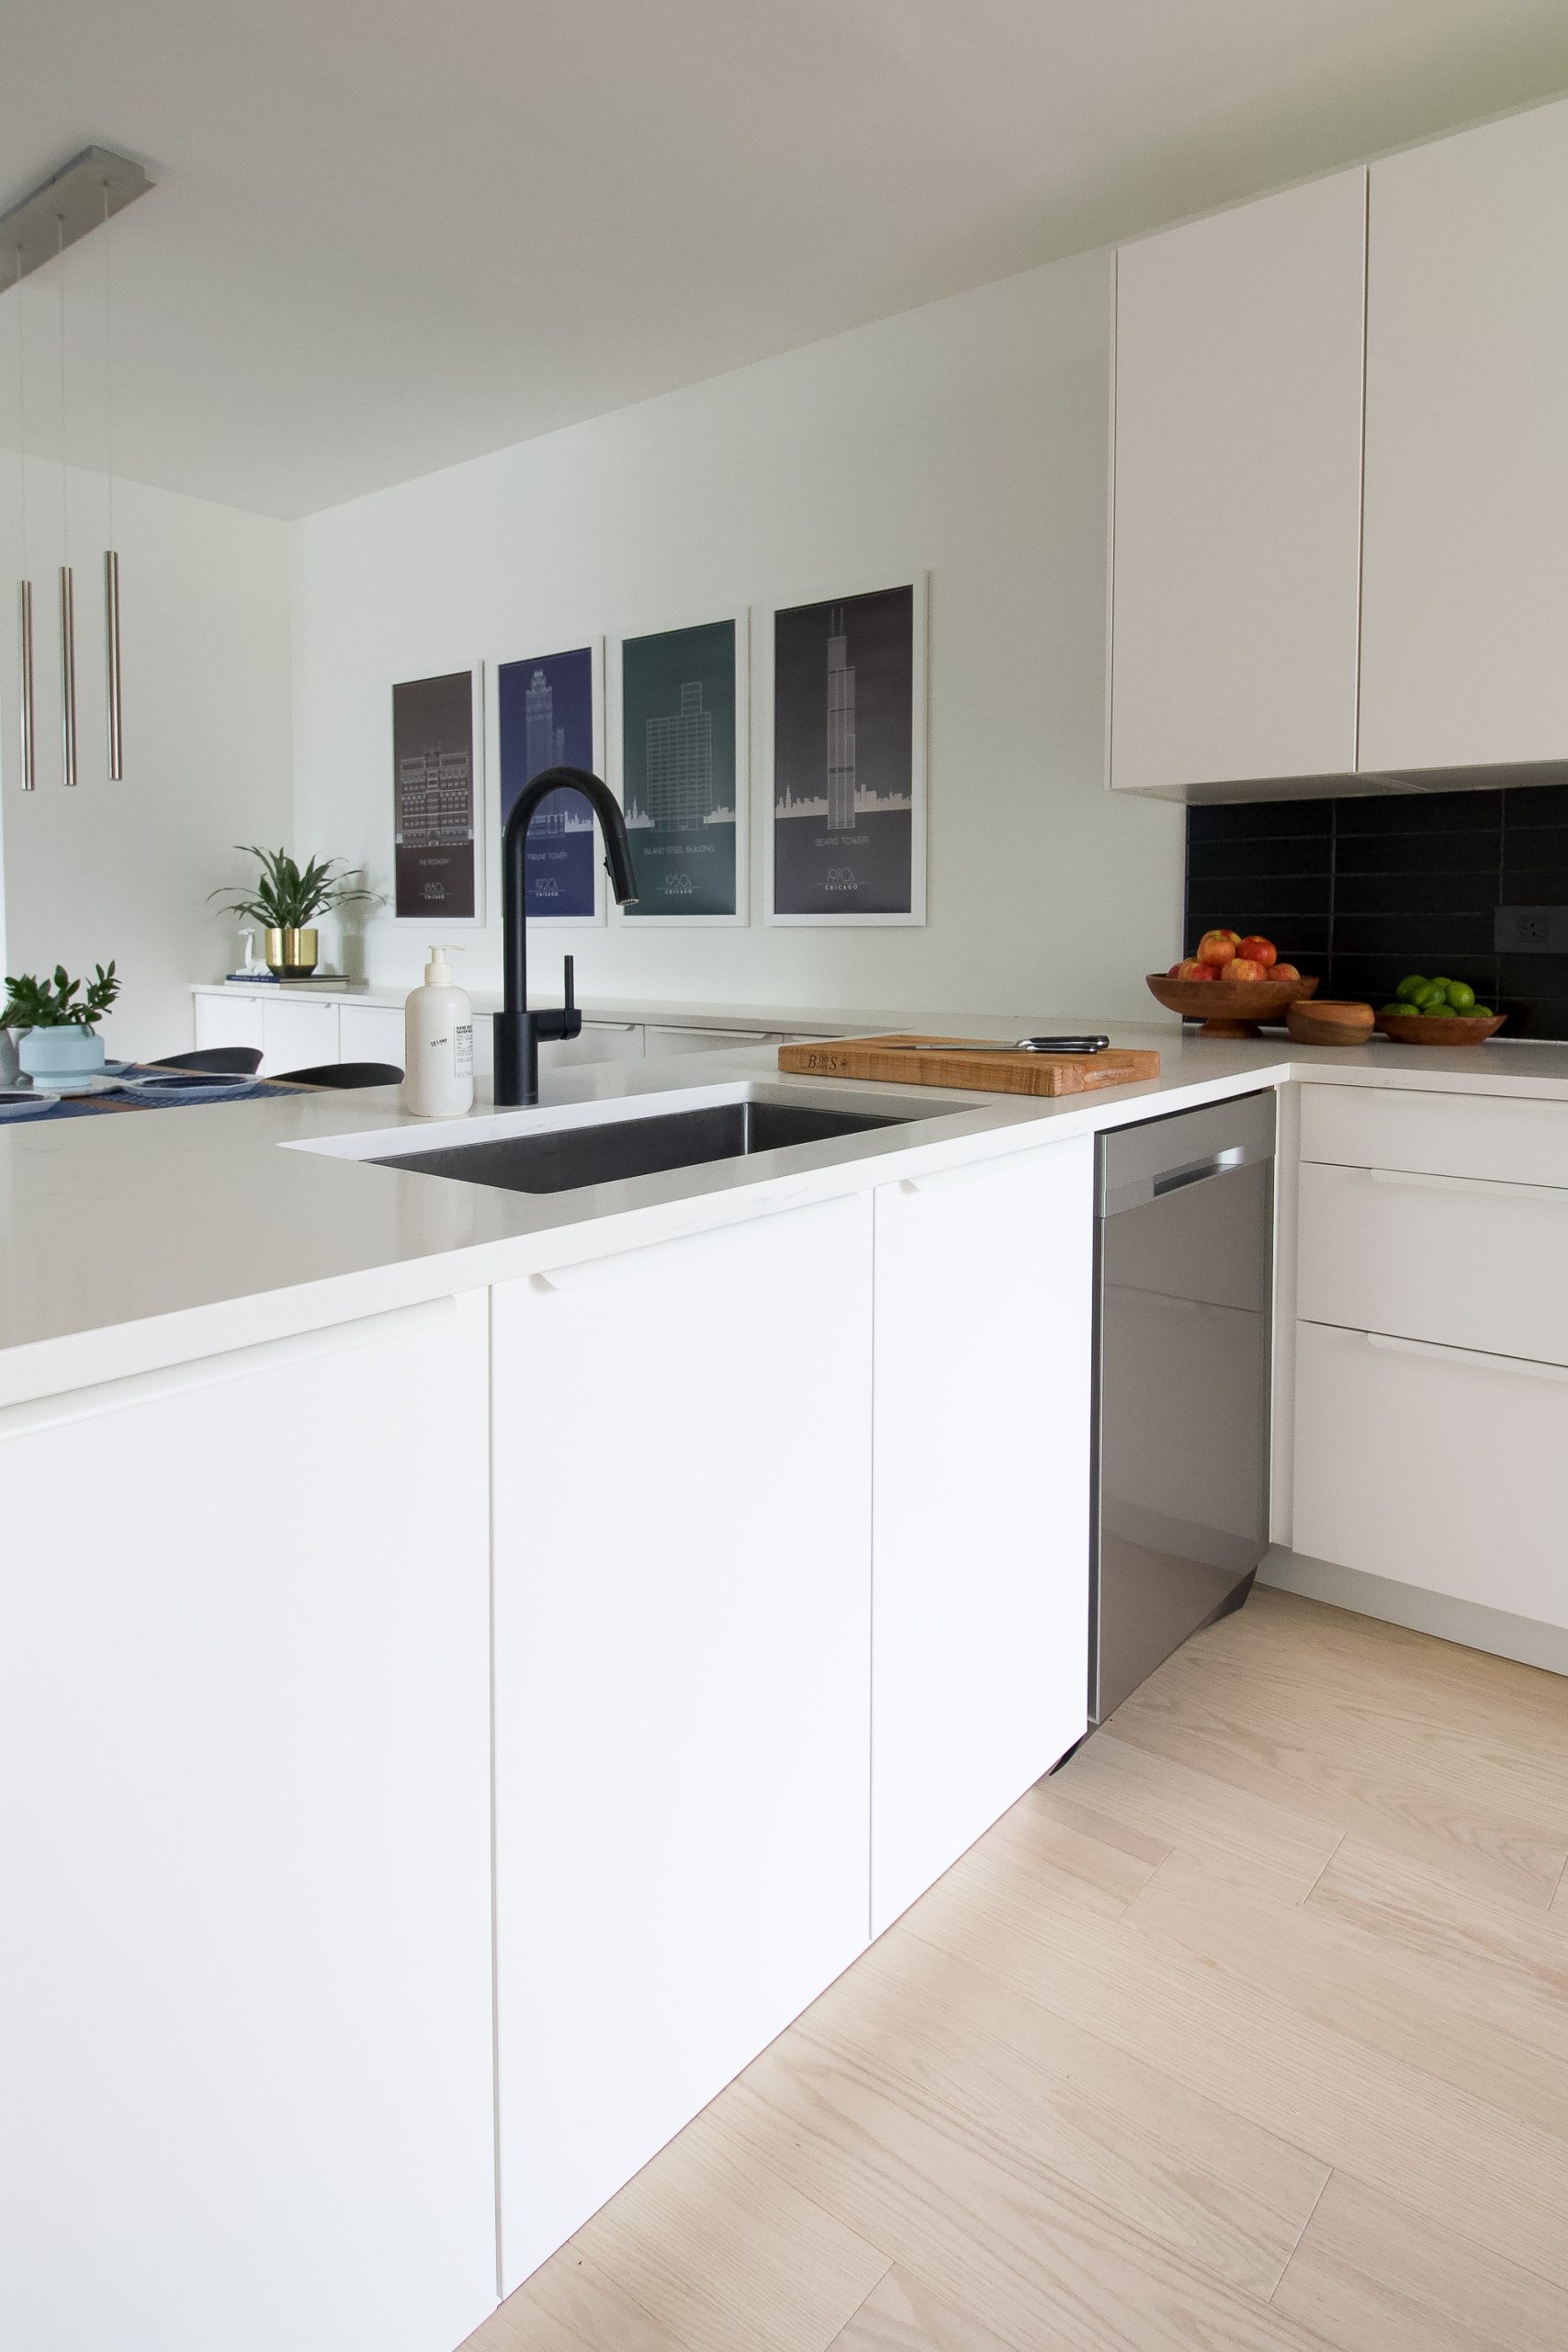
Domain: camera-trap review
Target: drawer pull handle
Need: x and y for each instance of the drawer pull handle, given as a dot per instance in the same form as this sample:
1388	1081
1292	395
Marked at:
1531	1369
1489	1188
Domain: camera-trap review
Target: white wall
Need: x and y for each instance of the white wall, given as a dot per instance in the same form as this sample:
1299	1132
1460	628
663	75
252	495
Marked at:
970	439
123	870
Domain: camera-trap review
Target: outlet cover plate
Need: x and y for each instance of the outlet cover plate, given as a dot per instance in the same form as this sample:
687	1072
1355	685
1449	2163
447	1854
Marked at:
1531	930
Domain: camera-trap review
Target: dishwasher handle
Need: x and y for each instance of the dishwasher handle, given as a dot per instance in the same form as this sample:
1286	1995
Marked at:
1219	1163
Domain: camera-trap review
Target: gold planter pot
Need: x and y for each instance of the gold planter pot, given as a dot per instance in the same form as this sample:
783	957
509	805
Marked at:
292	953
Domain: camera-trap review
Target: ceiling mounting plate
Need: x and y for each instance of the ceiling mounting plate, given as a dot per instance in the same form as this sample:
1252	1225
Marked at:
91	189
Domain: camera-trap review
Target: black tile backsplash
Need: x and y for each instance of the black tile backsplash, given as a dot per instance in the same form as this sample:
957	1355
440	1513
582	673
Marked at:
1363	890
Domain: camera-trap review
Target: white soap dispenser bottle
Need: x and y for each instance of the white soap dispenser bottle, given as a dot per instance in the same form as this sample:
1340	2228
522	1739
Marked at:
438	1044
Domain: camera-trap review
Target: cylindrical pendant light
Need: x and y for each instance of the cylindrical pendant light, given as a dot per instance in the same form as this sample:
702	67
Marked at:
29	744
67	583
111	557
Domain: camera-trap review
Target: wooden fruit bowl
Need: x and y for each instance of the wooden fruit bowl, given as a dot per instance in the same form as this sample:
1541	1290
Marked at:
1442	1029
1329	1022
1228	1008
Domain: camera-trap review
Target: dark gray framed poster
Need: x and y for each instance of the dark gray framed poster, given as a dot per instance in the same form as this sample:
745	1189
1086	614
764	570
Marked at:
550	713
437	855
846	688
682	730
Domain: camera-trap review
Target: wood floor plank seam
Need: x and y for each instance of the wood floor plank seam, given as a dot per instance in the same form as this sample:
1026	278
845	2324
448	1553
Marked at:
1301	2235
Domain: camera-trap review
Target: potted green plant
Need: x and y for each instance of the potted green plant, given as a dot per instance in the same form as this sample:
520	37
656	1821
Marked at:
287	901
57	1023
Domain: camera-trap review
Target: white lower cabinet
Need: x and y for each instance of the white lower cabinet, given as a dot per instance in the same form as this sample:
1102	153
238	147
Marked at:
1434	1466
371	1033
245	2030
298	1033
980	1575
682	1581
229	1021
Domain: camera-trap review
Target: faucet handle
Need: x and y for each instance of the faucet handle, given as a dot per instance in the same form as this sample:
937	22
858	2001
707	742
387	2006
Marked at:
569	970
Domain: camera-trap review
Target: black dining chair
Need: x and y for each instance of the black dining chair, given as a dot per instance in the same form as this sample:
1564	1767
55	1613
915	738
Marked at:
342	1074
224	1061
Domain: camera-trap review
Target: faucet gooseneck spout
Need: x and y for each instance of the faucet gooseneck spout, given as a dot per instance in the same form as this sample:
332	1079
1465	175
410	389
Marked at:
518	1031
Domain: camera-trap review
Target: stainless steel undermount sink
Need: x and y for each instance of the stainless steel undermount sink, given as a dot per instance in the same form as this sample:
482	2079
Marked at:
609	1152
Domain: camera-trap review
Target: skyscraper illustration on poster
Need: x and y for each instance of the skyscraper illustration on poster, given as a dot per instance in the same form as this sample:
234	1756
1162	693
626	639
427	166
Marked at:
846	835
681	738
548	709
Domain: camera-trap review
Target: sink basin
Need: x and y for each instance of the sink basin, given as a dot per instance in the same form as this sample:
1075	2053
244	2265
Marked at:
561	1159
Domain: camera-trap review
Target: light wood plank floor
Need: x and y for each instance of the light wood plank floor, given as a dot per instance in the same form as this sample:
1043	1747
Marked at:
1247	2031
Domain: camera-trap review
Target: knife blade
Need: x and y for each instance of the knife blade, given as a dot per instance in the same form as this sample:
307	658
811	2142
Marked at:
1021	1045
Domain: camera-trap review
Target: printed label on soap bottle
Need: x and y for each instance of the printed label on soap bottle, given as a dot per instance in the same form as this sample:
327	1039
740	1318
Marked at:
462	1047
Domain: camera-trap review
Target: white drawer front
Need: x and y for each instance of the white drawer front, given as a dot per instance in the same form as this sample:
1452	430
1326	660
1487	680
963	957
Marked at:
371	1033
1513	1139
1433	1468
1457	1260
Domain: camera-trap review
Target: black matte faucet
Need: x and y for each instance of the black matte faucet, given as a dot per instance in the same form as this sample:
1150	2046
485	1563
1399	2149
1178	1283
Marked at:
518	1031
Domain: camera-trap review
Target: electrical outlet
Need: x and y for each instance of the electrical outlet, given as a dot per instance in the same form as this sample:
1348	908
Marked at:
1525	931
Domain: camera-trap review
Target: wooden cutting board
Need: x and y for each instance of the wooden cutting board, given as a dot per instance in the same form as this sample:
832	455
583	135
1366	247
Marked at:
945	1061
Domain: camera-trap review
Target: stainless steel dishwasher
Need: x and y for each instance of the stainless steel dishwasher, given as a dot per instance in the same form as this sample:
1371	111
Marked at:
1183	1333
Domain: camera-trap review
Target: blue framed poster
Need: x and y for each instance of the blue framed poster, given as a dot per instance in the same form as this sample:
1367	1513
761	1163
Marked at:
549	710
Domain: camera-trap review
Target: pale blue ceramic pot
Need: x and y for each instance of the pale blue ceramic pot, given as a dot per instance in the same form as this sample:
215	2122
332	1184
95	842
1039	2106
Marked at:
60	1056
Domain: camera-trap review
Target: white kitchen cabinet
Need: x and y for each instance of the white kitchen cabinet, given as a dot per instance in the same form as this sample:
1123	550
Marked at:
245	2069
981	1497
682	1579
1433	1467
371	1033
1509	1139
662	1038
229	1021
597	1041
1459	1260
298	1033
1464	628
1237	494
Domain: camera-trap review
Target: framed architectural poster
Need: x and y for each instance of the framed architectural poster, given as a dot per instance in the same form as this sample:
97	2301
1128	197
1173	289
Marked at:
845	685
680	727
550	714
437	843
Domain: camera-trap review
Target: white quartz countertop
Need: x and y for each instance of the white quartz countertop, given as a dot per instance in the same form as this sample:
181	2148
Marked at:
145	1239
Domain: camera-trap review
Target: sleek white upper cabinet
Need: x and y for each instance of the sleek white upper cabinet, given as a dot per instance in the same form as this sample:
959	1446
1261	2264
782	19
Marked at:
682	1684
1465	629
1237	494
980	1558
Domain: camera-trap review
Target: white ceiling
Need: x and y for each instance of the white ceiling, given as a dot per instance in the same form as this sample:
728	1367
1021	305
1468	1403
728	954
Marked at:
390	235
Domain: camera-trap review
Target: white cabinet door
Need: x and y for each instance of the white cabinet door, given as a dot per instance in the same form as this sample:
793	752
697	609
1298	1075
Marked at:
370	1033
598	1040
668	1038
1434	1466
245	2069
227	1021
1465	629
682	1564
980	1574
1238	493
298	1033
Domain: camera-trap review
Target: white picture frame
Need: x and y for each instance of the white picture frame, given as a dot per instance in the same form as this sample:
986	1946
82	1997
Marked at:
495	785
740	618
436	921
915	916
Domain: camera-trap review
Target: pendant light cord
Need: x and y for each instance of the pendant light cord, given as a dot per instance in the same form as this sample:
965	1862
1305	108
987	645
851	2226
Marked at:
108	362
64	469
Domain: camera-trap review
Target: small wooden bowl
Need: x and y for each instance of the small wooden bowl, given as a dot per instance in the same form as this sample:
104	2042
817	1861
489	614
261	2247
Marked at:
1441	1029
1227	1008
1329	1022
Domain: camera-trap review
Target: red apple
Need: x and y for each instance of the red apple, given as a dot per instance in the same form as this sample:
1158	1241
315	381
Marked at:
1242	967
1259	950
1284	972
1189	968
1217	948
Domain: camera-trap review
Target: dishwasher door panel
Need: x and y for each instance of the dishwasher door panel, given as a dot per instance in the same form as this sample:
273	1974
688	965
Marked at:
1183	1374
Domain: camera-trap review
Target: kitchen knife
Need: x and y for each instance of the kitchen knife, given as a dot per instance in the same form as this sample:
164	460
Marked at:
1020	1045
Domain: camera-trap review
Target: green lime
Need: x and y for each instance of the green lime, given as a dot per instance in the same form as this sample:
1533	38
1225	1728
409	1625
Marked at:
1461	995
1442	980
1426	995
1409	985
1397	1011
1439	1009
1482	1013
